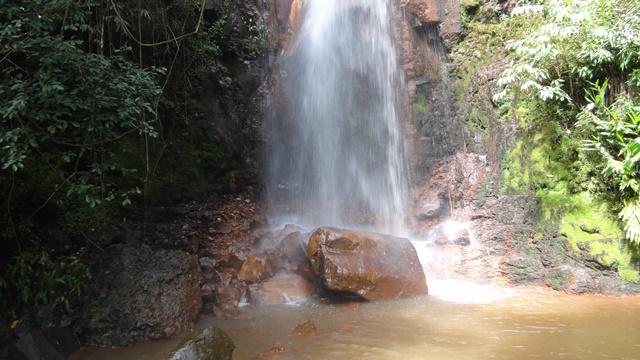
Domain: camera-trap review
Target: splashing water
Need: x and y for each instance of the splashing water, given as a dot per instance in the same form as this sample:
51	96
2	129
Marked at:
336	155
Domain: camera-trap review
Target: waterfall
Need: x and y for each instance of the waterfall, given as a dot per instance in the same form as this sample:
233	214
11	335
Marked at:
335	150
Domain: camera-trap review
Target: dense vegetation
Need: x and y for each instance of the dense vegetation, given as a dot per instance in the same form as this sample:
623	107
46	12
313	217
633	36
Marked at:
571	83
97	117
587	47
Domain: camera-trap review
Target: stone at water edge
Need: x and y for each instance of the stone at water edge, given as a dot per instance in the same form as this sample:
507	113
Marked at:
373	266
306	329
211	344
257	268
281	289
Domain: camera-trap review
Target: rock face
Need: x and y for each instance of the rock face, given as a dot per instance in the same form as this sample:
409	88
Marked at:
370	265
143	294
211	344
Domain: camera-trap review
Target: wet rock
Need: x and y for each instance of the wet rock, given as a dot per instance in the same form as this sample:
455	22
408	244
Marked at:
207	264
272	352
522	269
228	295
220	228
306	329
450	233
570	278
422	217
257	268
370	265
282	289
208	292
142	294
210	344
293	246
426	11
48	344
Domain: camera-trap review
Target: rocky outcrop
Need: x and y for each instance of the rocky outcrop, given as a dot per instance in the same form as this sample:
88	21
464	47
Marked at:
445	14
140	293
232	96
427	30
210	344
477	232
550	261
369	265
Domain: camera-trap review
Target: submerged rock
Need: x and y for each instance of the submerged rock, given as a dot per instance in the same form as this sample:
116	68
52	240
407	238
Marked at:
306	329
370	265
211	344
281	289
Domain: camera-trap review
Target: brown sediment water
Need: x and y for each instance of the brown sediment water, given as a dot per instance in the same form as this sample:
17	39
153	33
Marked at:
461	322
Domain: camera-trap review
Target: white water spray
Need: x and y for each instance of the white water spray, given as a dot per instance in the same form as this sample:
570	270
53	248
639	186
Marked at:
336	157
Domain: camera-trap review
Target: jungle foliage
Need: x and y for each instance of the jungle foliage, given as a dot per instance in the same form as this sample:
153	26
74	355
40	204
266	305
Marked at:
579	64
96	117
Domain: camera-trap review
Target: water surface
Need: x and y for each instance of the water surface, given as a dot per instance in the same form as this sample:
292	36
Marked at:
461	322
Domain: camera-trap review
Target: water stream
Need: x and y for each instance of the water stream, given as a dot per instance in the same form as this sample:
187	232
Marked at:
336	156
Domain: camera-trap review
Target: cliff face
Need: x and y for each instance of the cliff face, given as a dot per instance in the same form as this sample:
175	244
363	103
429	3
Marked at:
232	102
427	29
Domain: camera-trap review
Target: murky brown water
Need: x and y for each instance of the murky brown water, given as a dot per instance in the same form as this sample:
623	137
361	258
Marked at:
492	324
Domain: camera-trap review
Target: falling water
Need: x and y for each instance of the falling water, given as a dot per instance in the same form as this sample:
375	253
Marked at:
336	154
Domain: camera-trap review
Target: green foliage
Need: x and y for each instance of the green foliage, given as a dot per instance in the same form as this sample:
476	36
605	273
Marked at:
571	46
61	100
420	105
97	113
576	41
613	132
36	279
548	162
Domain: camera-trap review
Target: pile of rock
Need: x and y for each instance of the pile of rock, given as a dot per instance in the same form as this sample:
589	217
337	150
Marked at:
368	265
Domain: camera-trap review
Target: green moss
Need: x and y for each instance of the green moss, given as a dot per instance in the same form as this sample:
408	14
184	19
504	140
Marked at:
543	161
590	222
420	105
470	5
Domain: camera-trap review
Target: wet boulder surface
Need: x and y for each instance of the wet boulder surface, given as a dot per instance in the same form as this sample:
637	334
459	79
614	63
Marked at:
210	344
143	293
372	266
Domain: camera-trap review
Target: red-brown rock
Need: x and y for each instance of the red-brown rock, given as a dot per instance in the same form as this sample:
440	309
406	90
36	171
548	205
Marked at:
256	268
292	245
281	289
427	11
371	265
306	329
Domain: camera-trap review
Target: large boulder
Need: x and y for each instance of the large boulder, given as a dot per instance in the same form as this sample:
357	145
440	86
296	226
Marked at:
210	344
141	293
371	265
